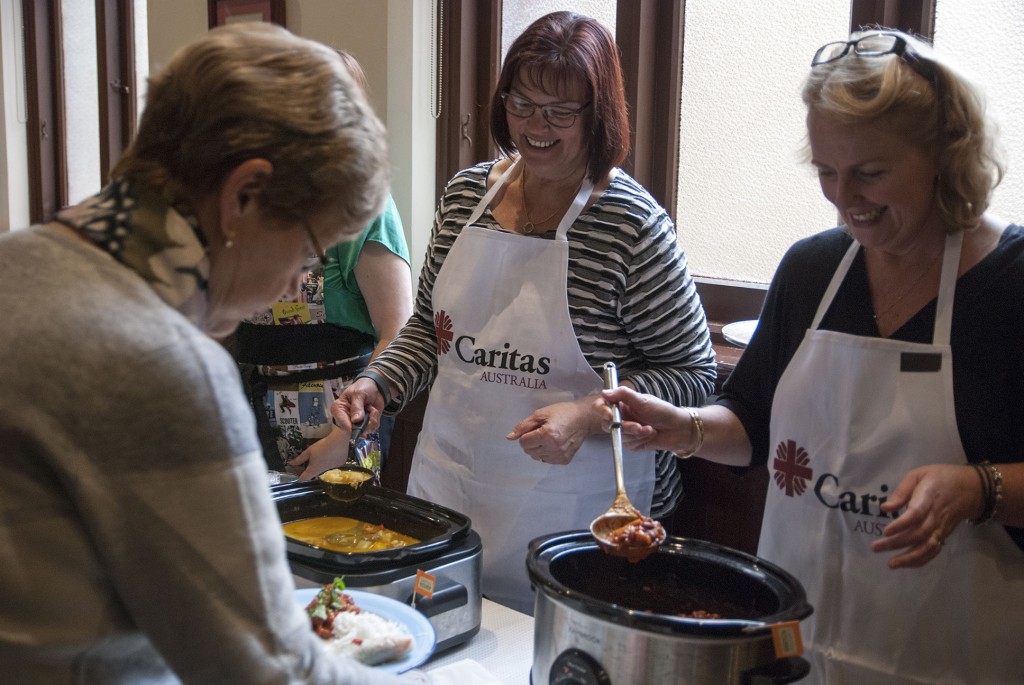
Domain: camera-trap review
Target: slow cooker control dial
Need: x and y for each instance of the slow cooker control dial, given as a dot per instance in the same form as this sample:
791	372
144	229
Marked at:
575	667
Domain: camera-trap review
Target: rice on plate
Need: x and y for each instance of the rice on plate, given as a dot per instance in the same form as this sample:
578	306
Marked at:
347	629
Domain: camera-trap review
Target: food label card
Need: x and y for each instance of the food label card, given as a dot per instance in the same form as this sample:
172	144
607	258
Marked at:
424	584
787	640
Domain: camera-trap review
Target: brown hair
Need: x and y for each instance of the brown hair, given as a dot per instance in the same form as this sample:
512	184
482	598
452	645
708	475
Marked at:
254	90
944	117
561	48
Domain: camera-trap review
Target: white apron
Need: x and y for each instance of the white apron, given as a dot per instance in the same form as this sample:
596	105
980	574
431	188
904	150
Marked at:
851	416
507	348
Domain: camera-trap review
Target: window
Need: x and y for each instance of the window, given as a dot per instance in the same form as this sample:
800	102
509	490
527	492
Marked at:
695	103
744	194
983	36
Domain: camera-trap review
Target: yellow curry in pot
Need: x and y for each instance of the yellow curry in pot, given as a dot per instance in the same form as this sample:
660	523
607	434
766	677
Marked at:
342	534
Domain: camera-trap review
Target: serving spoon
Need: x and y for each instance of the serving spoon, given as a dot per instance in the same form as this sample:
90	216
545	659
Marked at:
622	530
345	483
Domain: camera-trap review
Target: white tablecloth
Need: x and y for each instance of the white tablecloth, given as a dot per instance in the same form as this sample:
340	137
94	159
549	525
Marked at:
504	645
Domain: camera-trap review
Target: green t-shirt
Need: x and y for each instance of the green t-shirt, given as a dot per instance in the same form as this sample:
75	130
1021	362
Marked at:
344	303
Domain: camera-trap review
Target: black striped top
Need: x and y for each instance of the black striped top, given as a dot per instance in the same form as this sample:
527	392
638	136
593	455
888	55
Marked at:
631	301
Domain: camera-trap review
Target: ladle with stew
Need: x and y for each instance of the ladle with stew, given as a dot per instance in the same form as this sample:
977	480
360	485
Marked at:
623	531
345	483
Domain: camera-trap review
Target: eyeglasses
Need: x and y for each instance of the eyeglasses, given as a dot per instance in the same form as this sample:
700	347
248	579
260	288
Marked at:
321	257
876	45
559	117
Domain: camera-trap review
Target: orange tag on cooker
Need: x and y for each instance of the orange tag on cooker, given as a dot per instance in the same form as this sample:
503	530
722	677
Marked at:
424	584
787	640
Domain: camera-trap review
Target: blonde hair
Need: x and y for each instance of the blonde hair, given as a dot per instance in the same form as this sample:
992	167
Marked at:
354	68
944	117
247	91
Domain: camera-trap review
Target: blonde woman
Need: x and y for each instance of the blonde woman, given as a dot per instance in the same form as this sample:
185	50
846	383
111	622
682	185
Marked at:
884	386
140	543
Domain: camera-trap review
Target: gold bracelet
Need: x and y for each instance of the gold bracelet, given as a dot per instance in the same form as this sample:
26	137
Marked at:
992	490
997	476
698	425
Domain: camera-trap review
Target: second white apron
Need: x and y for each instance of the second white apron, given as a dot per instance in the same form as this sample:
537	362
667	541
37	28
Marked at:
506	347
850	417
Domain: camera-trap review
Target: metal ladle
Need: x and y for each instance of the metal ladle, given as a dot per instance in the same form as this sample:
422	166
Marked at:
622	513
345	483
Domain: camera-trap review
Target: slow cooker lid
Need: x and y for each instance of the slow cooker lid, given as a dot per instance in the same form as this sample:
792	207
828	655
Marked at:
685	575
438	528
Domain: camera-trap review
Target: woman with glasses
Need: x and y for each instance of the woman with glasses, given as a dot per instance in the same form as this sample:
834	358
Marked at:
884	387
140	542
543	265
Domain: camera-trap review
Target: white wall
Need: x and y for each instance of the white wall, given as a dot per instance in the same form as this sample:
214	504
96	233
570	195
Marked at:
412	129
391	40
357	26
171	25
985	37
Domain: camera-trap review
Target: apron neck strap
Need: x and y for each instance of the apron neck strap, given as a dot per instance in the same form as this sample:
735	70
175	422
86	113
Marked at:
947	287
574	211
485	201
833	286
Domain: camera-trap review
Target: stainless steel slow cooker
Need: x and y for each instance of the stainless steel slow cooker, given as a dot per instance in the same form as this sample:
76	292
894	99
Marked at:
602	620
449	549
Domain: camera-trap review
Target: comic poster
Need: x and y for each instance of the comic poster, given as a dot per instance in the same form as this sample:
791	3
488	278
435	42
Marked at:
313	410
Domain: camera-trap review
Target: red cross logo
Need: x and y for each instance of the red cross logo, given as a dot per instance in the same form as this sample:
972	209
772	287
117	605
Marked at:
792	468
443	331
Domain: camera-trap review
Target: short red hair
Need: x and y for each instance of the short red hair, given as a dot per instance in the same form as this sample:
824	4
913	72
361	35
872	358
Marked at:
562	48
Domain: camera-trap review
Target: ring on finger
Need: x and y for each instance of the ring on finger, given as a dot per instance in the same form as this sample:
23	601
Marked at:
936	539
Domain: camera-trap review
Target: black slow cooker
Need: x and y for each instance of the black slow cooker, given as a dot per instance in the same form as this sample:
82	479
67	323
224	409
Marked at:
602	620
449	549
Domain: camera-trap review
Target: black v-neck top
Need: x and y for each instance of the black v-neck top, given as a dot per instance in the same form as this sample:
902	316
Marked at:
987	340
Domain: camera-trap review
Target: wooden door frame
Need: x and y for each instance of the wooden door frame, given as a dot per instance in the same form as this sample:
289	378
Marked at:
44	91
116	80
46	106
469	34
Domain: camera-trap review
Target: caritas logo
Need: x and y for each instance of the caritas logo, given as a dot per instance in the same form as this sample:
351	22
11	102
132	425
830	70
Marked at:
792	472
792	468
505	358
443	330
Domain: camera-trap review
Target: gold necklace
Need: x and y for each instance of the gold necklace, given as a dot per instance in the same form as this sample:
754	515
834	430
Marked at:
906	292
530	226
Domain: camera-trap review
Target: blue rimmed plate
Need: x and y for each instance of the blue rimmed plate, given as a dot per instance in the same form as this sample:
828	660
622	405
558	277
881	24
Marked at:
423	634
